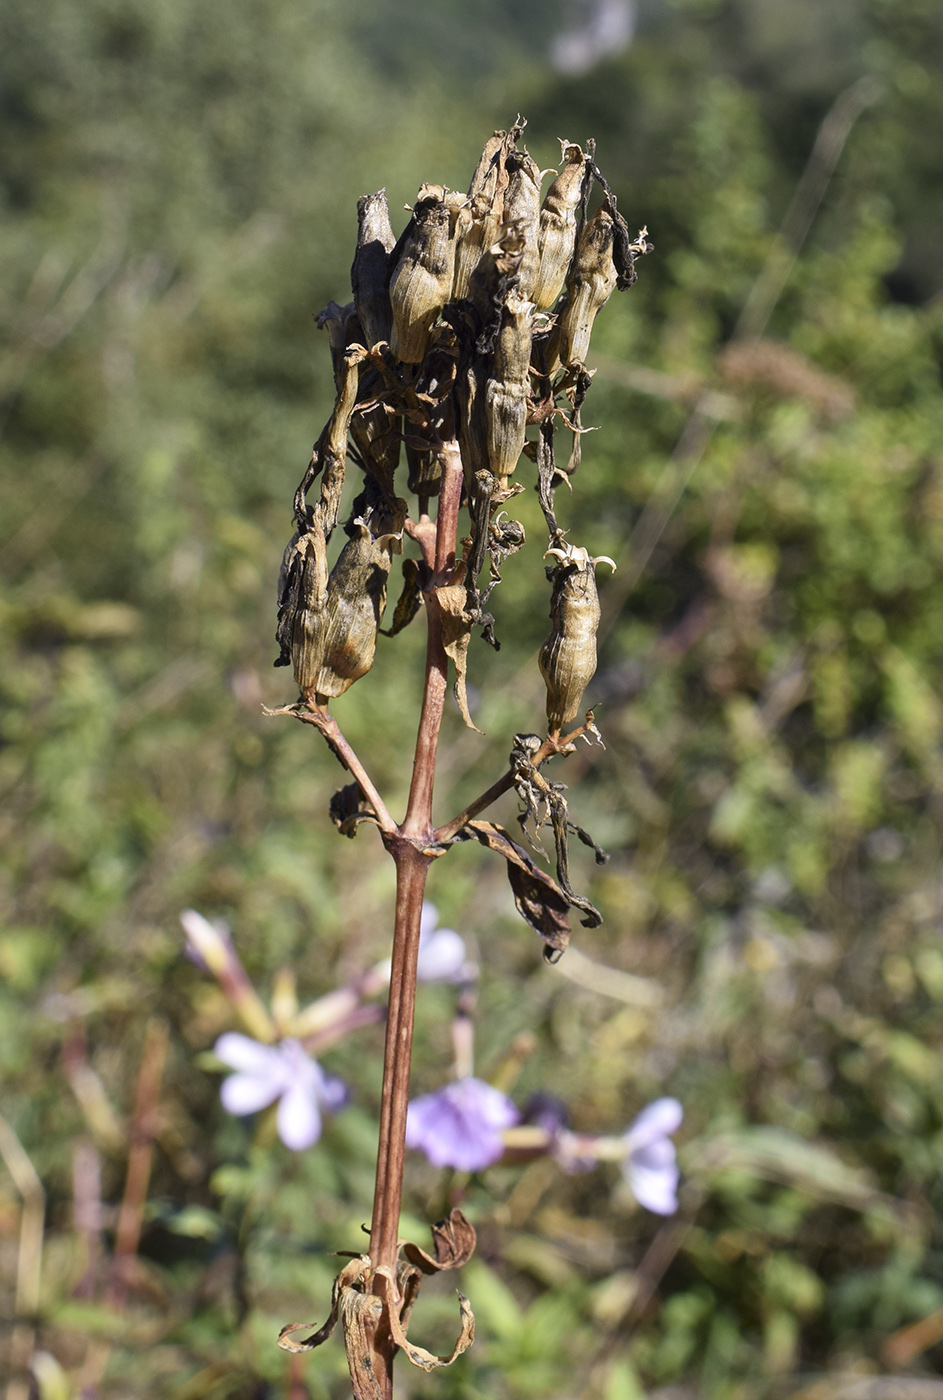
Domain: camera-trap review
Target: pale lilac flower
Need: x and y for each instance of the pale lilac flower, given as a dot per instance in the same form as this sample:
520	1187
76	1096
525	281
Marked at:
442	953
284	1072
650	1164
461	1125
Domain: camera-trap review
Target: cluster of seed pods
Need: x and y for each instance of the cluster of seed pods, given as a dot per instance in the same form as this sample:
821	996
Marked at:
473	326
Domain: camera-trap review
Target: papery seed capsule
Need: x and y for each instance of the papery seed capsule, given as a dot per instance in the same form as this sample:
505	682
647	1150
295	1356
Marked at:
335	319
422	279
506	388
370	273
425	471
557	236
305	567
522	206
496	273
485	207
568	657
373	426
590	284
356	597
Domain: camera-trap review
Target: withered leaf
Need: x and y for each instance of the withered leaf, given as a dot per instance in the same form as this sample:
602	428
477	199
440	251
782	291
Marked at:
425	1360
348	808
540	901
409	601
354	1270
454	1240
456	631
360	1314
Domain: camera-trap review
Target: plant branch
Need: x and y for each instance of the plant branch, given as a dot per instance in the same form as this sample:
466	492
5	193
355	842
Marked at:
418	820
323	720
29	1258
409	849
140	1158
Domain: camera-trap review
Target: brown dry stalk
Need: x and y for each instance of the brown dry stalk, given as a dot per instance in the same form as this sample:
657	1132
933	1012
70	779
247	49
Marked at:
140	1157
29	1257
410	849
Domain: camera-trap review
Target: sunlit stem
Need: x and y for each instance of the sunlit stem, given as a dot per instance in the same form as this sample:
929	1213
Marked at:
411	848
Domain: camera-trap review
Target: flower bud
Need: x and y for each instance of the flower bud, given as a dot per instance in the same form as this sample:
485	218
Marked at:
568	656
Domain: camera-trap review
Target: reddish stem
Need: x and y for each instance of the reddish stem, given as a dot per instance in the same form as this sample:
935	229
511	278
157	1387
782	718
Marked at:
409	848
140	1157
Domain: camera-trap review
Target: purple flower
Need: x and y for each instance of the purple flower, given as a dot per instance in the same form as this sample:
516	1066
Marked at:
284	1072
442	953
461	1125
650	1164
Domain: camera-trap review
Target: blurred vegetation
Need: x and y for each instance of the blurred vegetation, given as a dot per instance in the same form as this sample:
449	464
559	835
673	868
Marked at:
179	190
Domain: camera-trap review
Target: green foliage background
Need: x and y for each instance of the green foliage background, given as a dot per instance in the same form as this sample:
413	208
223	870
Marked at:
179	190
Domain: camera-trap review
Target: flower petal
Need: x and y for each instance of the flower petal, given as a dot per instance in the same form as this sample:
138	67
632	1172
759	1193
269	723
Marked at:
658	1120
334	1092
442	956
655	1188
208	945
242	1052
247	1093
428	919
298	1118
461	1125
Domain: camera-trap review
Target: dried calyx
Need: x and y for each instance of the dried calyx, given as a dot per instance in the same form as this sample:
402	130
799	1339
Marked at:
466	343
474	324
568	657
361	1306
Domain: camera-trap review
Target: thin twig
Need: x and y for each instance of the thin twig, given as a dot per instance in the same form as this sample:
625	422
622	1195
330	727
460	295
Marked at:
140	1158
327	724
548	749
29	1258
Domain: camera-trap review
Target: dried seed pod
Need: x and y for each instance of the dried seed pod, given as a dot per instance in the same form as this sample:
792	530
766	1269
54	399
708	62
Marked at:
469	416
568	656
422	279
345	644
557	235
329	454
485	207
335	319
370	273
589	286
301	605
506	388
425	471
522	207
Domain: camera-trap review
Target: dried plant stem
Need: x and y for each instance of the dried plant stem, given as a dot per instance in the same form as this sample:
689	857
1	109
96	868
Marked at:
29	1258
551	745
410	849
131	1214
323	720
